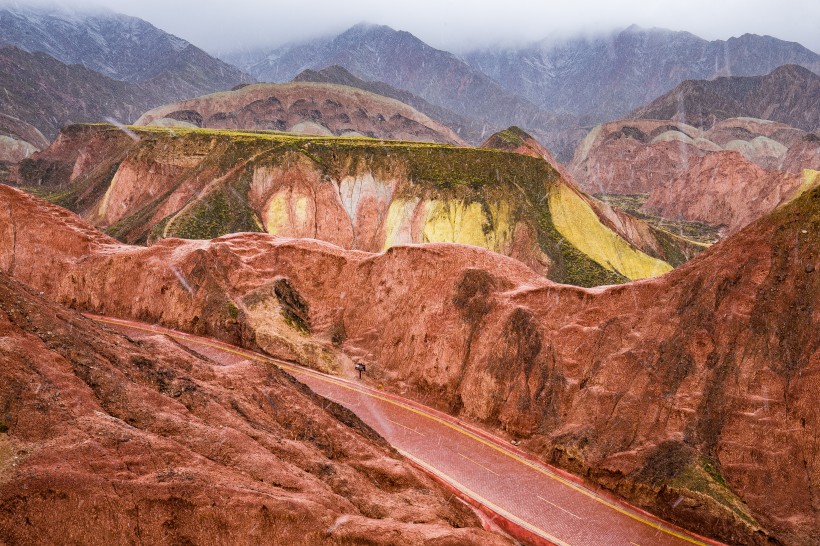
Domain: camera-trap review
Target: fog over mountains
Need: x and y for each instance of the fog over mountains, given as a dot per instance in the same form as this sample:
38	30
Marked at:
557	89
568	84
603	77
462	25
117	46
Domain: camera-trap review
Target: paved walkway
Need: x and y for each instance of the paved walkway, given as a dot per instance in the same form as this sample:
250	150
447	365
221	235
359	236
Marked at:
548	505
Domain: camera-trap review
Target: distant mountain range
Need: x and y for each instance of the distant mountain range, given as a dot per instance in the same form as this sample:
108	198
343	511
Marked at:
543	86
554	90
789	94
118	46
604	78
49	94
61	67
399	59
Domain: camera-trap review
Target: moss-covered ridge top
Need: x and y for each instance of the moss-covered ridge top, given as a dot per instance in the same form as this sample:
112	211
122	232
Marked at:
441	164
201	183
514	136
275	136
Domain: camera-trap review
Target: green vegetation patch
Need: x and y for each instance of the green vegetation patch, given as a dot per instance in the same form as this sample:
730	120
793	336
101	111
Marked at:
429	162
693	231
478	168
232	310
222	211
294	309
83	192
676	465
676	250
702	476
134	222
512	136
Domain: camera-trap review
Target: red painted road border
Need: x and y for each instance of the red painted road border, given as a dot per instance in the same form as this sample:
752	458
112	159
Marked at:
492	517
510	527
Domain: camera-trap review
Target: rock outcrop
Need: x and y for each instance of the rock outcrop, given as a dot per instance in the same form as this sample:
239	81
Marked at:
678	165
18	139
722	188
310	108
105	440
687	394
355	193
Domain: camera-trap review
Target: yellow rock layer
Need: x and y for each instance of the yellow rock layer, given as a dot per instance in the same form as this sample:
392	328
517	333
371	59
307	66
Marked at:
300	210
575	220
449	222
287	215
468	224
811	179
399	223
102	209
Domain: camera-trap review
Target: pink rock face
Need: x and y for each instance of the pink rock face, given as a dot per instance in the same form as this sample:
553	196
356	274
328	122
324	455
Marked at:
722	188
685	394
628	167
804	154
203	184
746	167
132	188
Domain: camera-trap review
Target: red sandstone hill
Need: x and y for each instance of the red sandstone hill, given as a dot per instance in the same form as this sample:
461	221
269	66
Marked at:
722	188
734	173
515	139
109	441
641	234
687	394
310	108
469	129
362	194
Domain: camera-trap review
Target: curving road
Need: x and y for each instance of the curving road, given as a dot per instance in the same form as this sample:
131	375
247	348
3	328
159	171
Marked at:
533	502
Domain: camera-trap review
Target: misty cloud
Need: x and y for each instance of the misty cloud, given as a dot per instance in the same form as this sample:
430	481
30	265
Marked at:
223	27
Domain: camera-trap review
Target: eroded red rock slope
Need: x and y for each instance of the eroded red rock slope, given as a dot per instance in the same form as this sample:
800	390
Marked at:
688	394
728	175
109	441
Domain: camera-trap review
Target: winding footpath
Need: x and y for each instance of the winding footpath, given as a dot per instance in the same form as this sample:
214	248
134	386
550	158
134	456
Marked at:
531	501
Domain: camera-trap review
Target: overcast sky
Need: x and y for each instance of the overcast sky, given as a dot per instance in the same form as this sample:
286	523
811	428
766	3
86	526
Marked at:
227	25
